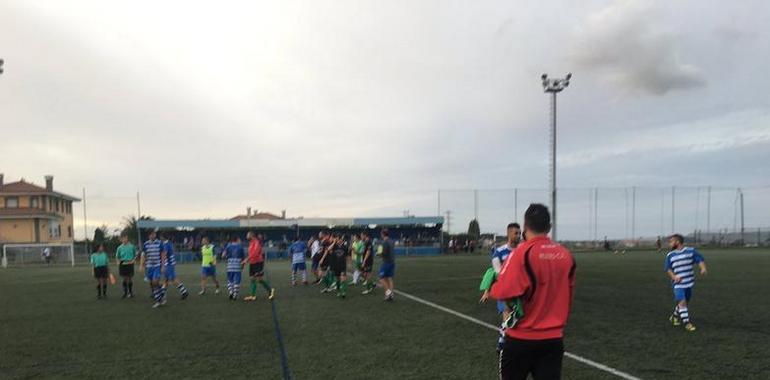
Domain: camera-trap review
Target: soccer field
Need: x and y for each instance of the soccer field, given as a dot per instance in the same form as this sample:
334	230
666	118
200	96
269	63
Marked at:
51	325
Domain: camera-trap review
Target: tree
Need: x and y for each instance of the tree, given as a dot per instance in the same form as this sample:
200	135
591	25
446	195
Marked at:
474	231
129	225
99	234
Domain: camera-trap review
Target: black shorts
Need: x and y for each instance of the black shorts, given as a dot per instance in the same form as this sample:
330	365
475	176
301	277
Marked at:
257	269
101	272
325	263
366	267
541	358
339	265
126	270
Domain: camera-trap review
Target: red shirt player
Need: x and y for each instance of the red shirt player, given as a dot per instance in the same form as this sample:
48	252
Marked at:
541	274
256	261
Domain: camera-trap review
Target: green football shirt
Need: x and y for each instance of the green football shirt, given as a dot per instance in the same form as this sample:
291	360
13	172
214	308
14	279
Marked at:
126	252
207	255
357	249
99	259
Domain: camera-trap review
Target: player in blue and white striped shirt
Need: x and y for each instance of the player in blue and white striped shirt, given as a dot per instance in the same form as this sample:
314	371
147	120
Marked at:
170	272
680	266
297	252
153	259
236	257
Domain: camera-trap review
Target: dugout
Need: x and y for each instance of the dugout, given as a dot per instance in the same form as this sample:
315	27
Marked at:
412	235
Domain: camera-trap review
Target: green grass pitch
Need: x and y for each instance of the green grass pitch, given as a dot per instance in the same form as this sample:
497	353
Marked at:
52	326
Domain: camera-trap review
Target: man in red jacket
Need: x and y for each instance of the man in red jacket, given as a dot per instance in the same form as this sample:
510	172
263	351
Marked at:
540	274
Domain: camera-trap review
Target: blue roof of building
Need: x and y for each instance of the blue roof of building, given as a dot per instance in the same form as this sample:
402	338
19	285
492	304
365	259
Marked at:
309	222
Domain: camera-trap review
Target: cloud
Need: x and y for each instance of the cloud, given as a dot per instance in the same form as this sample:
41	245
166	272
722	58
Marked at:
625	45
729	132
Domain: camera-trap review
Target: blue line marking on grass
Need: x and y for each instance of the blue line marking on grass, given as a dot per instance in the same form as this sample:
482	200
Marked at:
279	337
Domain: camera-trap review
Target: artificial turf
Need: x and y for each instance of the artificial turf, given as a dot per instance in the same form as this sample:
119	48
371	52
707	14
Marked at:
52	326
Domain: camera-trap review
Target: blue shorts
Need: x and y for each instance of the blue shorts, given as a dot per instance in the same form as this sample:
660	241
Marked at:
170	273
152	273
298	267
387	270
209	271
500	307
683	294
234	277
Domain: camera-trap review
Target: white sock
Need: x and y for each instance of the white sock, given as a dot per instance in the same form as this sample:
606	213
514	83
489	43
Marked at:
356	275
304	276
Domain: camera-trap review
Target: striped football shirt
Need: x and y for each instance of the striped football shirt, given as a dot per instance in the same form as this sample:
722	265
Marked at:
683	262
152	250
234	253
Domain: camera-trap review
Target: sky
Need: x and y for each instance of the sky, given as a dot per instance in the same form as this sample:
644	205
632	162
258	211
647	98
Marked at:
367	108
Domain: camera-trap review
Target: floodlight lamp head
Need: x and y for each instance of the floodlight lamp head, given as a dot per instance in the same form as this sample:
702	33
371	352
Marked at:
568	77
543	77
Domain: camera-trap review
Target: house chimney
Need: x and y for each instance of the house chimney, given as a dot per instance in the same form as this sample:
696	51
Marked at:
49	183
1	179
248	211
283	214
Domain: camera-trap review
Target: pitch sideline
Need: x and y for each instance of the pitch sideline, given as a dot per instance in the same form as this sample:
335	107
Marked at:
572	356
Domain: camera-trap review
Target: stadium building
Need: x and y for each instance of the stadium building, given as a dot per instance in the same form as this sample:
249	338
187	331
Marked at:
413	235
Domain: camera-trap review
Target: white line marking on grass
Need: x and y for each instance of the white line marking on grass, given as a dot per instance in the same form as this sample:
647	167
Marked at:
578	358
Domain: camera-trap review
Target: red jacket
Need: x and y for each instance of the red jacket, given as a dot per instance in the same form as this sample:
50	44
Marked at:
543	272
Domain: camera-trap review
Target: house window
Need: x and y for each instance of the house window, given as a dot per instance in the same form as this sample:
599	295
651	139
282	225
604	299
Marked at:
34	202
54	230
11	202
56	204
69	231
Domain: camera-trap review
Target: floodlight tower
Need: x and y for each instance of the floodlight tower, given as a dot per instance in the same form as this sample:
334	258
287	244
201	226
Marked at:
553	86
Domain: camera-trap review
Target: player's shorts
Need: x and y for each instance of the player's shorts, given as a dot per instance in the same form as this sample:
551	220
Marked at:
298	267
257	269
357	262
234	277
101	272
339	266
152	273
209	271
170	273
126	270
683	294
387	270
500	307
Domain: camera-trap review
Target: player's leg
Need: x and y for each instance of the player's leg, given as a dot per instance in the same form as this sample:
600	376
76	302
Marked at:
171	277
548	360
97	274
181	288
236	284
204	280
342	284
130	280
230	276
294	268
516	359
265	284
303	268
684	311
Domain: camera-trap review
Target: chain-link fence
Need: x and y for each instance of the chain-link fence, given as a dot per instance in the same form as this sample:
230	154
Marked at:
636	215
